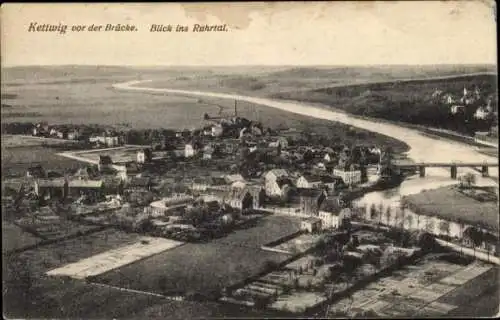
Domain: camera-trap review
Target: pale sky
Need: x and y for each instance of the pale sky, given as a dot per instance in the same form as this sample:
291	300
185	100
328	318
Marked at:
337	33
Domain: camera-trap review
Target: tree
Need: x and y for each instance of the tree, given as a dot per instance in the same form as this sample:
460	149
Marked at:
429	225
145	226
388	214
376	215
475	235
373	212
380	212
423	239
444	227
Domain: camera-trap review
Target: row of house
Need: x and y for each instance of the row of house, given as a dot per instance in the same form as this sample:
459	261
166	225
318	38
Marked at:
107	138
61	132
467	100
64	187
278	181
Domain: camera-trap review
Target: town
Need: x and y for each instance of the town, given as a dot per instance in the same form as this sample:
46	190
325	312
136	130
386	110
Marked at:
290	194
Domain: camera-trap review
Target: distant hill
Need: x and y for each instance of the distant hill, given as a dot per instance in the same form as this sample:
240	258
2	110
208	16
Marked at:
408	101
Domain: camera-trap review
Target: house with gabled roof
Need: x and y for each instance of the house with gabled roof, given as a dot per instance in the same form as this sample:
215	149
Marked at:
308	200
319	181
105	163
232	178
274	174
93	189
239	198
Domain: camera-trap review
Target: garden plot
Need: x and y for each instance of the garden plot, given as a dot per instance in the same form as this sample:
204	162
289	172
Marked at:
114	259
298	301
420	292
299	244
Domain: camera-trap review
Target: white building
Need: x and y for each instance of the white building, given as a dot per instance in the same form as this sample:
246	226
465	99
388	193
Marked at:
481	113
109	141
279	142
310	224
333	220
232	178
273	175
308	181
165	205
277	182
349	177
73	135
217	130
144	155
189	151
238	185
330	219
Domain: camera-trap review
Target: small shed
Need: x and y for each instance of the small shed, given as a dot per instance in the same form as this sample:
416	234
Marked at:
311	224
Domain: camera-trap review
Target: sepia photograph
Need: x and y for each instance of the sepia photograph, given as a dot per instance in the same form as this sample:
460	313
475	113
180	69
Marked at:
334	159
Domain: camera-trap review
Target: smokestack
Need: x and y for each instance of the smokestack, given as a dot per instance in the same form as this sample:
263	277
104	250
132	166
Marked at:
235	111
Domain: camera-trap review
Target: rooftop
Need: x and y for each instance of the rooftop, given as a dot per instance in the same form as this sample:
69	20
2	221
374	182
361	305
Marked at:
77	183
279	172
310	193
47	183
140	181
311	220
230	178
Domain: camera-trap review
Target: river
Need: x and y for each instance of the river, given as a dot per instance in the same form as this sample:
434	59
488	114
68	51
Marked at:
423	148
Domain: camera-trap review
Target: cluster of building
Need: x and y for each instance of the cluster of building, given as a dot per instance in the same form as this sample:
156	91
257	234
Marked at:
288	177
108	138
469	99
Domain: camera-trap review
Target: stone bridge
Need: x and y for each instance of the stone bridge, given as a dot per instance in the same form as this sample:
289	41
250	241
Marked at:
420	166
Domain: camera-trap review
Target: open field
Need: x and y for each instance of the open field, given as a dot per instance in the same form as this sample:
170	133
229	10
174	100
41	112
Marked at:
206	267
54	93
449	202
192	268
120	154
12	141
55	255
20	153
292	79
114	259
430	288
14	238
398	94
261	232
53	227
53	298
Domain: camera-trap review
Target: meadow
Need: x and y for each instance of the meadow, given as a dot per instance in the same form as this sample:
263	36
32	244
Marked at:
450	203
84	95
20	153
81	94
205	267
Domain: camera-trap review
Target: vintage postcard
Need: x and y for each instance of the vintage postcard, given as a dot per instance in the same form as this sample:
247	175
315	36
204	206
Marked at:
250	160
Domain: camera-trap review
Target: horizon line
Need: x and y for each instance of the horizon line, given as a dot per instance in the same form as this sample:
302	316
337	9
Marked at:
249	65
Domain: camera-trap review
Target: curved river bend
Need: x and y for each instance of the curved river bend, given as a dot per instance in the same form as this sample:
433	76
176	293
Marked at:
422	148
